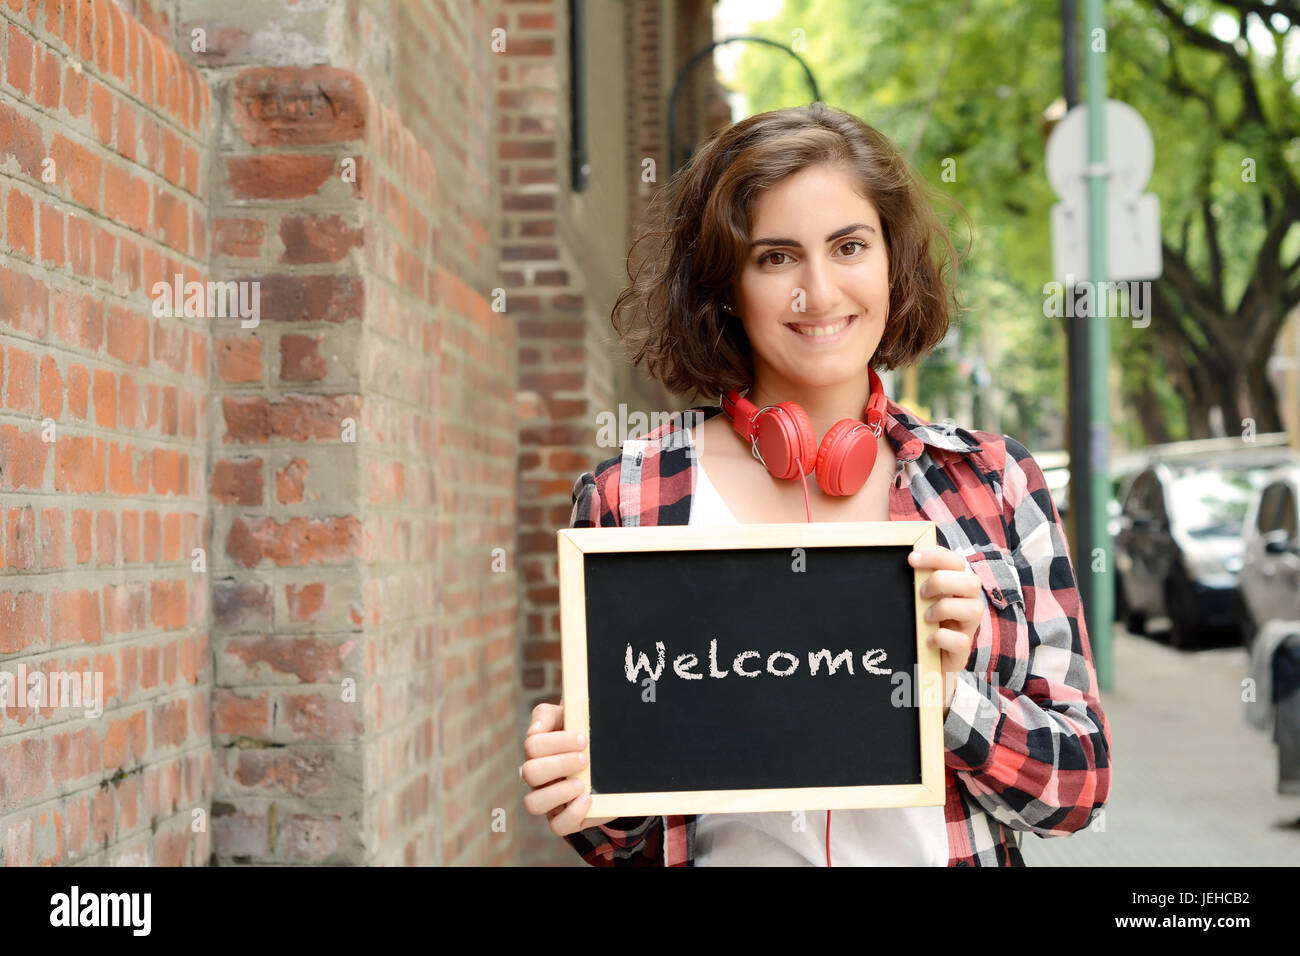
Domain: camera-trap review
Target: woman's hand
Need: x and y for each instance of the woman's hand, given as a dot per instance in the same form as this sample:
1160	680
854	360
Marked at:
958	610
553	756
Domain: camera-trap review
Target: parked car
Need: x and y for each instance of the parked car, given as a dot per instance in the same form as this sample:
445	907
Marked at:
1270	572
1179	546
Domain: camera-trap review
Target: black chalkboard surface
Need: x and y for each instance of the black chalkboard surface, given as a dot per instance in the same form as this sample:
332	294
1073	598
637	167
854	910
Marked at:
751	667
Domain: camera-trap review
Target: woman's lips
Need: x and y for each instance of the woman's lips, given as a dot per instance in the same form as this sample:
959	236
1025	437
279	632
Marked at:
823	338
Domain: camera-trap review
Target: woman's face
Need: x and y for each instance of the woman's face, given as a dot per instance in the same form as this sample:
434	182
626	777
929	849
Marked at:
828	263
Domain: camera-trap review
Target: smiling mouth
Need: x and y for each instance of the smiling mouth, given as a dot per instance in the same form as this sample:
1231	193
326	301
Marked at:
823	330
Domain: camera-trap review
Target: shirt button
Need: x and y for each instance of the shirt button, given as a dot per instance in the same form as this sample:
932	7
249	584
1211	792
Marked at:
963	863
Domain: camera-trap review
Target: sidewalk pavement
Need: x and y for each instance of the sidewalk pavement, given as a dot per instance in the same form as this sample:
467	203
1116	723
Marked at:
1192	783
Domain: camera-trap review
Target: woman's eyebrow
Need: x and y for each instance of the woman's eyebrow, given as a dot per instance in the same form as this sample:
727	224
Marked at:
842	231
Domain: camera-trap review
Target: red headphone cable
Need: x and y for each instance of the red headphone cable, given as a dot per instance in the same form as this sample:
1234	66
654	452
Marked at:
808	510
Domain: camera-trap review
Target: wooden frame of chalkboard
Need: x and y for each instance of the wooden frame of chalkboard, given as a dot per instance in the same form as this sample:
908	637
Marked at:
589	560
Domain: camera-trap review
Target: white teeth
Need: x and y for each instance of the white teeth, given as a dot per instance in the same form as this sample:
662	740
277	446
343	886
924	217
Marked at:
818	332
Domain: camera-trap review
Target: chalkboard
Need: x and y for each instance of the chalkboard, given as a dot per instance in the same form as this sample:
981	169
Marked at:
751	667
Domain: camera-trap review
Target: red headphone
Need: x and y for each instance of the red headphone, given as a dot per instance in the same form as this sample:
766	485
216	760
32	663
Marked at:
781	436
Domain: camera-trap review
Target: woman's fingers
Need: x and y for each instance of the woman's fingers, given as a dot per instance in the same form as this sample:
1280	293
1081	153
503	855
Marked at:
953	642
544	799
542	770
951	584
936	558
964	610
556	742
547	717
569	820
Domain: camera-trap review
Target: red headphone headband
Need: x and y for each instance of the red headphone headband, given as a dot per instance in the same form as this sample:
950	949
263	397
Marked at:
743	412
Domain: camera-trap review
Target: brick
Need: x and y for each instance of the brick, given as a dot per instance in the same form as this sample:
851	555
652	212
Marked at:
238	238
81	534
329	298
167	604
20	383
51	542
20	539
101	112
21	138
128	400
296	106
128	263
169	344
171	539
240	604
18	65
304	659
79	464
105	538
300	359
76	91
22	621
124	608
130	528
24	302
126	198
238	716
305	602
78	391
126	122
74	617
52	249
171	220
80	250
80	168
128	337
239	359
49	70
278	176
20	223
24	766
237	481
104	394
298	541
289	481
320	717
51	388
171	155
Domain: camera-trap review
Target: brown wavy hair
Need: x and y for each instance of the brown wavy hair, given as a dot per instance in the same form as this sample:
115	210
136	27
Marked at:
670	317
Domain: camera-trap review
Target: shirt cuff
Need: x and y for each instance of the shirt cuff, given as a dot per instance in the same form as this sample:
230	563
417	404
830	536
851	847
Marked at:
972	723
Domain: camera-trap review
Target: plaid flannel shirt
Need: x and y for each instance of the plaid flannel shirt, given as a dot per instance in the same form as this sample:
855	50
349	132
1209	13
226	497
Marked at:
1026	744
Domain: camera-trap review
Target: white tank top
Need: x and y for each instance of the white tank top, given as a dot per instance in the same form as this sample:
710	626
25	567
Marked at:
893	836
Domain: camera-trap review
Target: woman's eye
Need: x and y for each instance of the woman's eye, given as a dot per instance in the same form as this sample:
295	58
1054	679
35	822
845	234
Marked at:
768	257
854	242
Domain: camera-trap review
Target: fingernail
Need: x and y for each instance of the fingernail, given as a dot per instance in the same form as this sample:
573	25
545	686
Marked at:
582	760
535	725
582	740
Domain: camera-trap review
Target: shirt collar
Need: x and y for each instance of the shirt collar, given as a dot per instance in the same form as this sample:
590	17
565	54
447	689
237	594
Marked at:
909	433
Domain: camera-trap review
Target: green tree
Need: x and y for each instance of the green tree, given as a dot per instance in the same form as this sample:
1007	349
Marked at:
963	89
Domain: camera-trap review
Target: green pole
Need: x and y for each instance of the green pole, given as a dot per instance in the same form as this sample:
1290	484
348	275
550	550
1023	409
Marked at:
1103	592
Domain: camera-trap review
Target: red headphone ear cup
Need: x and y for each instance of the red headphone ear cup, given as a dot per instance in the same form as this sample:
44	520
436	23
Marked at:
785	433
846	457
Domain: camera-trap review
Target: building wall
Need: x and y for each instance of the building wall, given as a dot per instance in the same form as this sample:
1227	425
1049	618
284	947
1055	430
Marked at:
103	438
311	554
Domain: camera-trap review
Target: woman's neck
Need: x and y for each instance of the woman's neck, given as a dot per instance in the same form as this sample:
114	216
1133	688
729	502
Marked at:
825	405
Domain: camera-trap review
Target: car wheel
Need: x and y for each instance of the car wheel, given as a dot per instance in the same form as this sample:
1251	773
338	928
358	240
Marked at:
1135	622
1184	632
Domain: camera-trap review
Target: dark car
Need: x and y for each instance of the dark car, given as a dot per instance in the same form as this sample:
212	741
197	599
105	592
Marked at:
1179	547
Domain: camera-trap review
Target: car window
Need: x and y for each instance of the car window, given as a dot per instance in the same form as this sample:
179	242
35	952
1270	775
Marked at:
1136	502
1289	518
1212	501
1270	512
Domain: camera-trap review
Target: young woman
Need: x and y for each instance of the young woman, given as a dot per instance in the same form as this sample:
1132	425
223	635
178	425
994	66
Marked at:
800	253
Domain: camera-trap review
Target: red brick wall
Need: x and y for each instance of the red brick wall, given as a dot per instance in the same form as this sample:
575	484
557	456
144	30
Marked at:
103	435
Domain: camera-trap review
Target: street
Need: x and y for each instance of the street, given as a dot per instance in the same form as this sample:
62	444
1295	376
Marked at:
1193	783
